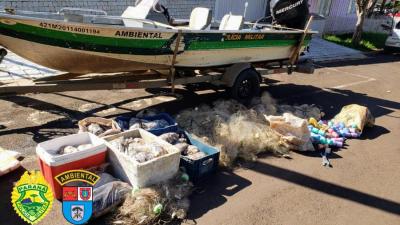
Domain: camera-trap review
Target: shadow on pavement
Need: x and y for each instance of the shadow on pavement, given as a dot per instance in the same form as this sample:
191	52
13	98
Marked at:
46	131
104	106
327	188
223	184
373	133
8	215
374	59
210	196
29	102
67	125
317	154
330	101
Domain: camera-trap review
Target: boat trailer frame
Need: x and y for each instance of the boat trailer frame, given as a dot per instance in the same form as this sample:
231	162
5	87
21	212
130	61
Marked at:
135	80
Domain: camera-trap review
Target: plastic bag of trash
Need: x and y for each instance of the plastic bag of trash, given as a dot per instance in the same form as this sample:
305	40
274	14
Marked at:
8	161
171	137
136	123
99	126
72	149
108	194
294	131
355	116
138	149
146	113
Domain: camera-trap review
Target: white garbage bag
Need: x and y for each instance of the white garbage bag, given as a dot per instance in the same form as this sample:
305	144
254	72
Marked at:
294	131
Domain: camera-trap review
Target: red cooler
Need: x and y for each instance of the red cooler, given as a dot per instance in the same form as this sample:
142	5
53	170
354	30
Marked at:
52	164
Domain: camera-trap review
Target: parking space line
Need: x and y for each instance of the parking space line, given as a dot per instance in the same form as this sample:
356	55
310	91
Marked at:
366	80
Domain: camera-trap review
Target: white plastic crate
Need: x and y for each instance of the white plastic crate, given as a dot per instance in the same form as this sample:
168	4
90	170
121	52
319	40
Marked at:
148	173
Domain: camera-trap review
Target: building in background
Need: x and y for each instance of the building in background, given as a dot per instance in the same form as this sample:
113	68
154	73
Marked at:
340	16
334	16
178	8
256	9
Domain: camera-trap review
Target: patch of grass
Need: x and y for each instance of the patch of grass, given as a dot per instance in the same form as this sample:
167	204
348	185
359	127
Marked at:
369	42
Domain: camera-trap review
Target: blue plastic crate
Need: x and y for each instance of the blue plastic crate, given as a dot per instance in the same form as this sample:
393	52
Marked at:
123	122
198	170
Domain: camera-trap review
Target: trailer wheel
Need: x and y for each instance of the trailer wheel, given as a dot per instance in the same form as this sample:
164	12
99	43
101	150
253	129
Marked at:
388	50
246	86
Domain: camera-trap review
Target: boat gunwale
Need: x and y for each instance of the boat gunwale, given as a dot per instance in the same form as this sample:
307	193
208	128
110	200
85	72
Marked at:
4	15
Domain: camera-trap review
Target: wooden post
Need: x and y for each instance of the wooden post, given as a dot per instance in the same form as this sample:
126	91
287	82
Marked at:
172	70
296	52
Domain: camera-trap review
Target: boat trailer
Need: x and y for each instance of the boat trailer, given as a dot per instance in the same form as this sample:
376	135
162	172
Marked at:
228	77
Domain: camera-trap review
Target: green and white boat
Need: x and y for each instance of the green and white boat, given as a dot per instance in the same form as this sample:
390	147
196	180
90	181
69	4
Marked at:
75	41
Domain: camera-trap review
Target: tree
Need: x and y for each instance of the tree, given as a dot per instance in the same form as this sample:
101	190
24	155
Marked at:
393	6
34	197
362	9
383	5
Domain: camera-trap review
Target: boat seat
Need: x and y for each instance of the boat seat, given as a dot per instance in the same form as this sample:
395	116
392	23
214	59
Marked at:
139	11
231	22
200	18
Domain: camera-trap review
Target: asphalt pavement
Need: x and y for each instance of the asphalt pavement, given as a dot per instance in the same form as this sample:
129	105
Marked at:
361	188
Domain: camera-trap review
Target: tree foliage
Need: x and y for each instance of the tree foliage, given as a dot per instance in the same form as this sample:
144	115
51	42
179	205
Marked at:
362	9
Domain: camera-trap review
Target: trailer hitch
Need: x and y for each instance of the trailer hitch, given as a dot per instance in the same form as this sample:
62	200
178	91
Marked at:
3	53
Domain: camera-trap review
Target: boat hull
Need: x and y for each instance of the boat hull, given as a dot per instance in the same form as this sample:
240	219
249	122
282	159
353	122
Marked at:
87	48
71	60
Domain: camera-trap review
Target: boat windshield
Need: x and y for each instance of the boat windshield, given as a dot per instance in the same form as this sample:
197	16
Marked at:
157	16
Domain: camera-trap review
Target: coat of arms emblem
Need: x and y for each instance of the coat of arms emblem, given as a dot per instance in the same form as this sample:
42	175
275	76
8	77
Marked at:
77	204
32	197
77	200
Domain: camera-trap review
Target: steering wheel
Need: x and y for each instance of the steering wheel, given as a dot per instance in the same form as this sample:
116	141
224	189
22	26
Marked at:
256	26
158	8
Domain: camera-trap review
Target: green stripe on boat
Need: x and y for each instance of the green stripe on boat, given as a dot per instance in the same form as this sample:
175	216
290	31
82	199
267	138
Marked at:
193	42
92	39
86	42
209	45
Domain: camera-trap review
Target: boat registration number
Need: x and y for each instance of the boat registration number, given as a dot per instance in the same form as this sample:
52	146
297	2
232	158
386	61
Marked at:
69	28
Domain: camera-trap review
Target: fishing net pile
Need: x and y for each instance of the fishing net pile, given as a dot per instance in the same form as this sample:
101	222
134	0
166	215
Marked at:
239	131
160	204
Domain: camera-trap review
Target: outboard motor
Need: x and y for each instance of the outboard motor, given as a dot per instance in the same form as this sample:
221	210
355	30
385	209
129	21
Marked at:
290	13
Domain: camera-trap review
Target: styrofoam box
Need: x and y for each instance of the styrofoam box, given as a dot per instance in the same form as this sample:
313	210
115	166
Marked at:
148	173
47	150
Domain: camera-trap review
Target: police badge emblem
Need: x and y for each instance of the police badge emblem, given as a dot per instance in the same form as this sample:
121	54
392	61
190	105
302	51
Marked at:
32	197
77	204
77	201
